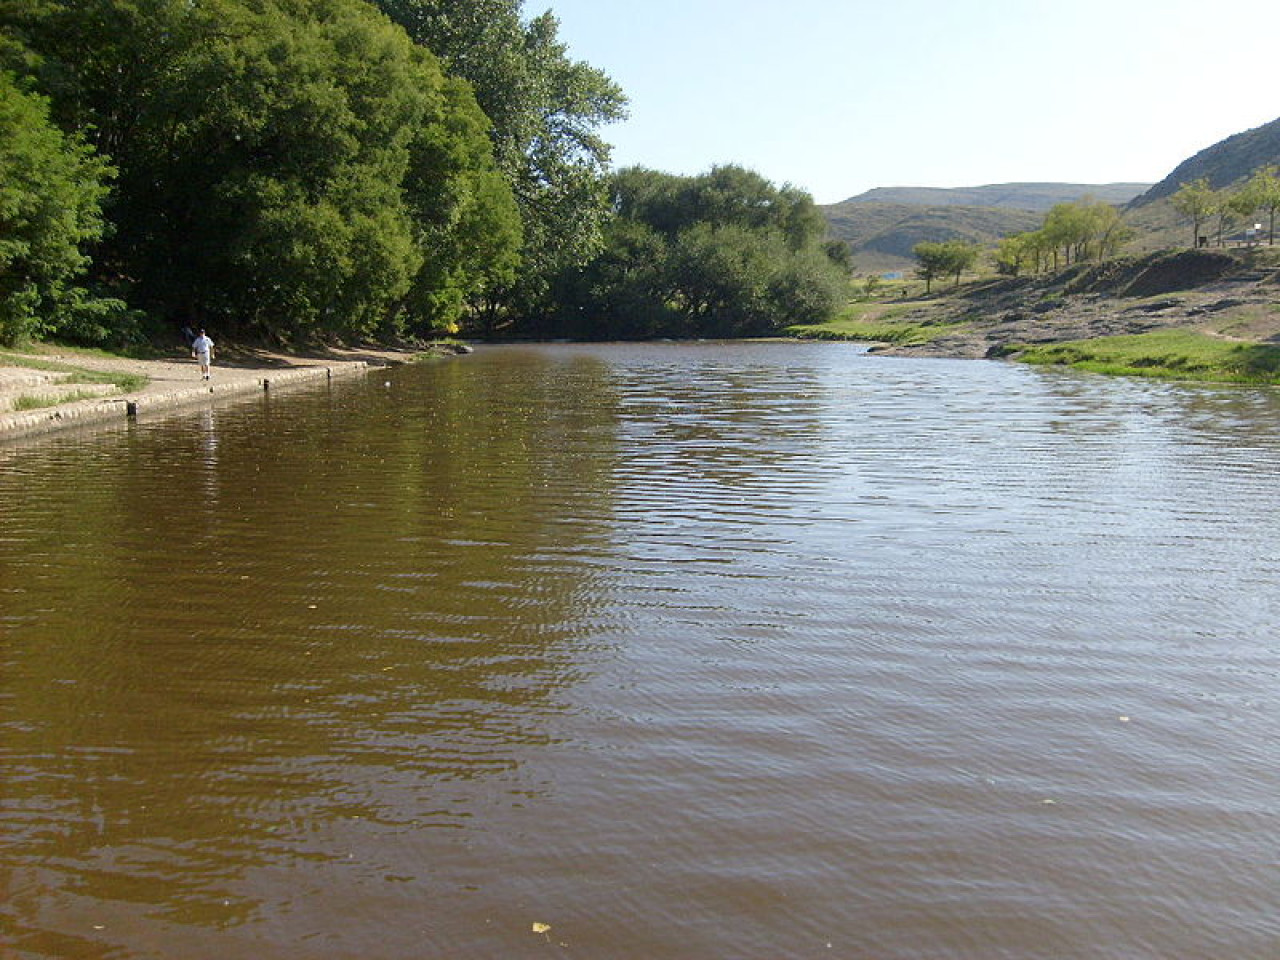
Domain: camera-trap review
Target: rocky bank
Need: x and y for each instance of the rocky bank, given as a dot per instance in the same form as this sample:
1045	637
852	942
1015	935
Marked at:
1229	294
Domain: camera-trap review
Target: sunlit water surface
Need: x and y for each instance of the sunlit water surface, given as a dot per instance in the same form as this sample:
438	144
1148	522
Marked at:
683	651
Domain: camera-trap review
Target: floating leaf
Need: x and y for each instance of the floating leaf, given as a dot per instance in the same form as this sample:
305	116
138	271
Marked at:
541	927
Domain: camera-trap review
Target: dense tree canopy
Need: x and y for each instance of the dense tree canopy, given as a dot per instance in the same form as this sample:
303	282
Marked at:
295	168
546	110
285	166
51	188
718	255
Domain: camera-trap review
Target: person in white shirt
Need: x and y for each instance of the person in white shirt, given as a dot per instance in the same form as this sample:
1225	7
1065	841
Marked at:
202	350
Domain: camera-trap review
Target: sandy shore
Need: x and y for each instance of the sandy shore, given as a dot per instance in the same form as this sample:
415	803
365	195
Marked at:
171	383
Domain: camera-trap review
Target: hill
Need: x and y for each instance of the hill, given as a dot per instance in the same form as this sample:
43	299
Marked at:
1223	164
881	235
1039	197
881	226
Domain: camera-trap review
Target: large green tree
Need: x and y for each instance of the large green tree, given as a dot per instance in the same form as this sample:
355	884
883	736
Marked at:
51	189
723	254
286	166
546	110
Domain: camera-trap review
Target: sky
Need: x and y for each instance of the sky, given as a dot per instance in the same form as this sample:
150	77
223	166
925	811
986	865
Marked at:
839	97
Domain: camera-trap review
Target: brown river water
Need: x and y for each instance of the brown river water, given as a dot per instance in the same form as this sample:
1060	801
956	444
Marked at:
658	651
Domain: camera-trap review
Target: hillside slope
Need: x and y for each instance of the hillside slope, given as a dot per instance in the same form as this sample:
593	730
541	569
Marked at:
1223	164
882	226
1006	196
881	235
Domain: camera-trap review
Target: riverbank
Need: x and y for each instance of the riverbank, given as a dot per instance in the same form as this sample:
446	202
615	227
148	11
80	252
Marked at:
1224	308
45	388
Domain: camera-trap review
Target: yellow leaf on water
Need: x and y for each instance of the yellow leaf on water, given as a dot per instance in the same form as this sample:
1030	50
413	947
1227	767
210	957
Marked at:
541	927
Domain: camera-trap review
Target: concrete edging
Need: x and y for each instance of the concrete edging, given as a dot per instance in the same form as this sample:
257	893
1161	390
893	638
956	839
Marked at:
121	409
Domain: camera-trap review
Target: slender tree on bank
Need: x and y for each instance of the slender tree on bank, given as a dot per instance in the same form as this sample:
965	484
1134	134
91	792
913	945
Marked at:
546	110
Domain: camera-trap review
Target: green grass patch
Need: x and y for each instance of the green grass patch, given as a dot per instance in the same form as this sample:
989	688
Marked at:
28	402
1168	354
124	382
875	325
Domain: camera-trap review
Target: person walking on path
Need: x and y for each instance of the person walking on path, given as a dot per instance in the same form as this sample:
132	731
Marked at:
202	350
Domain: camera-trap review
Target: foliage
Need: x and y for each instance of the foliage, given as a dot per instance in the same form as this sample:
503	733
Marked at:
1261	192
51	189
949	259
1198	201
545	110
722	254
1086	229
285	166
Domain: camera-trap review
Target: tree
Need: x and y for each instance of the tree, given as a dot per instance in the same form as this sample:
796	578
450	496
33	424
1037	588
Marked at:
51	189
1262	192
961	257
933	260
545	110
722	254
1066	227
1012	254
1198	201
1227	206
286	166
949	259
1107	232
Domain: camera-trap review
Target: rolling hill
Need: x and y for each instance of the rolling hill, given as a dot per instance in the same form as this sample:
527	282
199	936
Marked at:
881	235
1225	164
1006	196
882	225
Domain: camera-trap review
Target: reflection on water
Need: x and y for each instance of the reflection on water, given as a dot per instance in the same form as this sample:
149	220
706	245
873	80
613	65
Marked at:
701	650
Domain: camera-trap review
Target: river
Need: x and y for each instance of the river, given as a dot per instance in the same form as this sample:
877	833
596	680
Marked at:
656	651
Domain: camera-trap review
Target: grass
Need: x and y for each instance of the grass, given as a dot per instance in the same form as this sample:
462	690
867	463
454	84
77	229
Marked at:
1168	354
28	402
877	323
124	382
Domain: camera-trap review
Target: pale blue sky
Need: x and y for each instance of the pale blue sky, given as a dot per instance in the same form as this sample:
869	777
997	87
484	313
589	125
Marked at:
839	97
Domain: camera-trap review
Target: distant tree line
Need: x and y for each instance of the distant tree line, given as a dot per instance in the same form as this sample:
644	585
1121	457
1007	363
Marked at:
290	168
723	254
1229	207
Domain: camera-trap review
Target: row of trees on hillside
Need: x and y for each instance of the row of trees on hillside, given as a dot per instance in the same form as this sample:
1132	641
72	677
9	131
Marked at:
723	254
290	167
1231	206
1071	233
